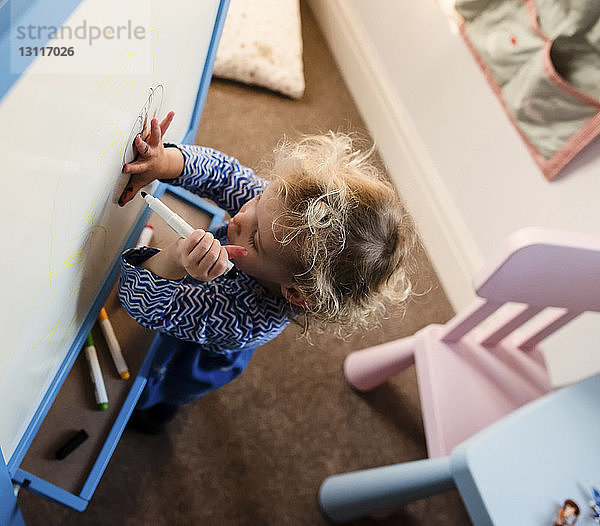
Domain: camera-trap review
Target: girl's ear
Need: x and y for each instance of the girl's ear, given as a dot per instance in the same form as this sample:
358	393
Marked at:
293	295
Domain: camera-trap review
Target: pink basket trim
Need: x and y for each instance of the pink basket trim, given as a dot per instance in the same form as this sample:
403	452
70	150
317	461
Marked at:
560	158
557	79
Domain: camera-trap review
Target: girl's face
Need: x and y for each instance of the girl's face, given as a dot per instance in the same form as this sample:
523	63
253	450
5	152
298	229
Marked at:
252	228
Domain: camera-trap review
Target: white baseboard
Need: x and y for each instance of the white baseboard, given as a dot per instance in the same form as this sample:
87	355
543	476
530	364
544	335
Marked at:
446	238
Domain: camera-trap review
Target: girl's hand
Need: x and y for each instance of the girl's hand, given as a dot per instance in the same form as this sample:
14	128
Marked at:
153	161
203	257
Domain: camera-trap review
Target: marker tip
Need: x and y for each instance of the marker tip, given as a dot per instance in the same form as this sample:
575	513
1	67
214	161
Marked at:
144	194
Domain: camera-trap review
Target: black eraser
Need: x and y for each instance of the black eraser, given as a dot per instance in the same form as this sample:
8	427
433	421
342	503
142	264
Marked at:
70	445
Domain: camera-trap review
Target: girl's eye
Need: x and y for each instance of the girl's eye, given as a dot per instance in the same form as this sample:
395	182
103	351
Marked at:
251	240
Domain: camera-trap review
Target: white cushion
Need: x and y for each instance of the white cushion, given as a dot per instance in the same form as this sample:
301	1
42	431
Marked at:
262	45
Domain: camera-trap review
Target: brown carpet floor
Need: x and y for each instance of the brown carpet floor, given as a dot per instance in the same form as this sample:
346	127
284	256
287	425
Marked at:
256	451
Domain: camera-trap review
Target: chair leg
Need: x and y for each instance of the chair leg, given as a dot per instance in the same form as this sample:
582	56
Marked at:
358	494
370	367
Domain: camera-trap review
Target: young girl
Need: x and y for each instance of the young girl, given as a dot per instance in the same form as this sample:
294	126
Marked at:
323	243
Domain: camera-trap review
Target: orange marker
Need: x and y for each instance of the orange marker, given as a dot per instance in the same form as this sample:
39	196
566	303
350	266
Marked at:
113	344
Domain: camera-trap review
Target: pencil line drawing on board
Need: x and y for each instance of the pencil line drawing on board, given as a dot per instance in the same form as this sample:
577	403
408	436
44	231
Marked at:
80	232
64	154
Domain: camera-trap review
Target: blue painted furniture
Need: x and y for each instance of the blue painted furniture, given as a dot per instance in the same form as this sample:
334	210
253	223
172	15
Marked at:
519	470
472	374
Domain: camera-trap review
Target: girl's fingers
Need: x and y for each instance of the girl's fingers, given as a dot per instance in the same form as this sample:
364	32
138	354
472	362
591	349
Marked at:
135	167
133	187
126	196
144	132
203	256
210	257
220	265
192	240
201	248
200	262
166	122
142	146
155	134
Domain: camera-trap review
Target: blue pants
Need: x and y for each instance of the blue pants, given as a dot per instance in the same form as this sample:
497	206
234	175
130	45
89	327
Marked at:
184	371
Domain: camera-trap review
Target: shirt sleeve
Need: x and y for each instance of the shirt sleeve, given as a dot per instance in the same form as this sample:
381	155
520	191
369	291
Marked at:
219	177
219	313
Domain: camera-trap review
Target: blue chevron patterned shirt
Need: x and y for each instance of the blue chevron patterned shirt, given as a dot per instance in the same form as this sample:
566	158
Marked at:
223	315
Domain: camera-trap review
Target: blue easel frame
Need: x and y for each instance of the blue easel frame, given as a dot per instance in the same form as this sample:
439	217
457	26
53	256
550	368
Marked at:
10	471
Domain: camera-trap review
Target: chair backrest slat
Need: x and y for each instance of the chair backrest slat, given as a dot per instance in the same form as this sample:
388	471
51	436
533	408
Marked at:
544	268
537	268
545	329
468	319
522	316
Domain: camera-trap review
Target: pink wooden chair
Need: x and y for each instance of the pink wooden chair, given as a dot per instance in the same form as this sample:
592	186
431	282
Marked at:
475	369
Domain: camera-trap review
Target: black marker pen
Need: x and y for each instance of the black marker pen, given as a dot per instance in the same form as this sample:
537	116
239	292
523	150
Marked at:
71	444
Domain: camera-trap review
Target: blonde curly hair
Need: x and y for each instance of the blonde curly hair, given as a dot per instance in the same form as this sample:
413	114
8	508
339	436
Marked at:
351	239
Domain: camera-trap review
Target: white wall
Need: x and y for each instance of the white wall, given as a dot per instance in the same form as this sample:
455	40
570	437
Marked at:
463	170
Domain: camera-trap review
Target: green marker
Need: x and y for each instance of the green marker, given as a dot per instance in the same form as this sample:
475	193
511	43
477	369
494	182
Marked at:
96	374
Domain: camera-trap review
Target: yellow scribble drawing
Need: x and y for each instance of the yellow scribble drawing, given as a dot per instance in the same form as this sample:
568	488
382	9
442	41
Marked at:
73	158
114	90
